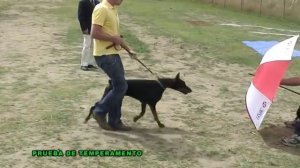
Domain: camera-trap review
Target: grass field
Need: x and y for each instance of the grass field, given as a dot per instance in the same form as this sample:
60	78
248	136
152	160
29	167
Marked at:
288	9
45	95
208	32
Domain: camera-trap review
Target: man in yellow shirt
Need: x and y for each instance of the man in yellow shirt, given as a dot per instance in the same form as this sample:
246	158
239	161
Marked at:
105	31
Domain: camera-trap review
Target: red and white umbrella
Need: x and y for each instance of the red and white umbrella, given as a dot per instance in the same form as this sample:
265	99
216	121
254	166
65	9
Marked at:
267	79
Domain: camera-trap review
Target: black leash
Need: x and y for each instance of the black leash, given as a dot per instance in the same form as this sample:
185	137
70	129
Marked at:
282	87
151	72
145	66
113	45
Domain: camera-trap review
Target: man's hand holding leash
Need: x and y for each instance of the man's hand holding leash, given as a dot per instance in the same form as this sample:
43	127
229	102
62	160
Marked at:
118	41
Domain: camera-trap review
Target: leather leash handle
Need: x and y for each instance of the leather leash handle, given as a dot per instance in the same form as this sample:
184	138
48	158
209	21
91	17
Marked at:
108	47
113	44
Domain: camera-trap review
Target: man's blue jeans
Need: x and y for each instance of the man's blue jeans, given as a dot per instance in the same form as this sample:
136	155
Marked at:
112	102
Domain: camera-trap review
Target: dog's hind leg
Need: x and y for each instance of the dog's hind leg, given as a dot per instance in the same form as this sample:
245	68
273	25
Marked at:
107	89
142	112
154	113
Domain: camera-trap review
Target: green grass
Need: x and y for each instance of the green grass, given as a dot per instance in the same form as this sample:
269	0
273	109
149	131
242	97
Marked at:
133	40
3	70
5	5
170	18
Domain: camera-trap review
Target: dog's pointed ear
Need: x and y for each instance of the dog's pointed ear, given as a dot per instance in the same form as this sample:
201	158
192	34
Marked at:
177	76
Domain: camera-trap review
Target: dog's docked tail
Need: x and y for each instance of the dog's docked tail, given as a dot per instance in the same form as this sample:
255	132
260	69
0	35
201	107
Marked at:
89	116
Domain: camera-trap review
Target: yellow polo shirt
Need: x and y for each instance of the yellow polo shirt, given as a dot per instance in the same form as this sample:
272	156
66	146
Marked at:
106	16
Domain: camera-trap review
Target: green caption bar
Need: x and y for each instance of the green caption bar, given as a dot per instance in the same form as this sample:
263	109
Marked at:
87	153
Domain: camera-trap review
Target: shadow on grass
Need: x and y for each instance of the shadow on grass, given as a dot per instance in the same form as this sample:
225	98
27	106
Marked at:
167	142
272	136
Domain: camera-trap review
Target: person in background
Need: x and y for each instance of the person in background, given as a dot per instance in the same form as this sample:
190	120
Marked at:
294	140
85	10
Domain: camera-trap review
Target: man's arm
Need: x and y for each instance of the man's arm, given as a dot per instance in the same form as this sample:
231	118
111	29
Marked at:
98	33
294	81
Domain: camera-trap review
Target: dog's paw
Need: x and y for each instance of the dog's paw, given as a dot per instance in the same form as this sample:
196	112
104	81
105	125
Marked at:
161	125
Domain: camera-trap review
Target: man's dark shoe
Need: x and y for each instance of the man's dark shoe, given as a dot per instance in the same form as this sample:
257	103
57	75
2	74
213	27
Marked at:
92	66
121	127
293	141
101	120
292	124
84	68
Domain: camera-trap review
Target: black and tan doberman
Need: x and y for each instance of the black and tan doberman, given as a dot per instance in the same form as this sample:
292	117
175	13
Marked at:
149	92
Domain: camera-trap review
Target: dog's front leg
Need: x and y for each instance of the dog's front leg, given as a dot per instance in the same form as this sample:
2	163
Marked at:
154	113
142	112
